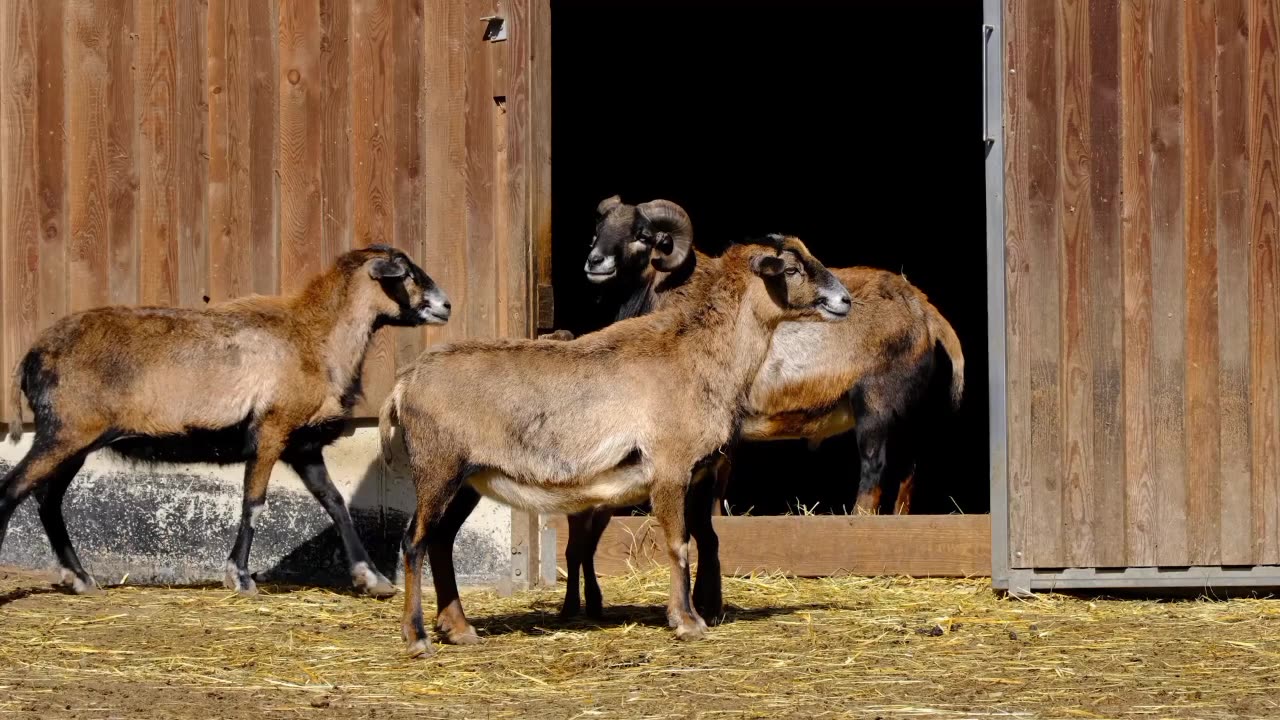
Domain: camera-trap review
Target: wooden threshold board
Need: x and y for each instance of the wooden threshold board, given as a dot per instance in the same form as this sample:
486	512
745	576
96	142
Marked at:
808	546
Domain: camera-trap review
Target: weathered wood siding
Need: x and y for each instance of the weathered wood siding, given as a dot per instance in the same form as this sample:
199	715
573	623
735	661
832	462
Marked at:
181	152
1143	278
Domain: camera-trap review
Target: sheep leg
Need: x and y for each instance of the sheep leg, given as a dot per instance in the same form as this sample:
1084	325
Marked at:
703	494
871	447
49	495
590	584
451	622
903	504
579	532
413	546
41	464
311	468
668	500
257	474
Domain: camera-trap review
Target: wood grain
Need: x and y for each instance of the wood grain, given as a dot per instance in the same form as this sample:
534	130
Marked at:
373	164
263	206
1076	212
540	154
1106	306
409	186
158	201
1232	153
19	205
300	144
444	161
1045	282
1264	279
88	257
335	128
518	240
1204	482
811	546
1139	430
1022	534
191	147
481	286
51	130
1168	252
121	39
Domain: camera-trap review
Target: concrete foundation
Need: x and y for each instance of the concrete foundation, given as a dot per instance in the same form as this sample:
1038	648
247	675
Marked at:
175	523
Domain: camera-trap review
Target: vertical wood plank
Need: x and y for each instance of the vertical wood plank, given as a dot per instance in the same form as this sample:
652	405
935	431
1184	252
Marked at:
158	210
481	289
1106	285
264	146
19	205
373	84
300	144
1139	432
518	239
1232	142
191	147
88	258
1075	210
1264	279
1168	252
1202	427
444	161
228	267
408	108
121	38
540	155
1045	281
503	304
51	127
1022	528
335	128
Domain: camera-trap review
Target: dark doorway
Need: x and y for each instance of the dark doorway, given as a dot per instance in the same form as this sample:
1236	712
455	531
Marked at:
855	125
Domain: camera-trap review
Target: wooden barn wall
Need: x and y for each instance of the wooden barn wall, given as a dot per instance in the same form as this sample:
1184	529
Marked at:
182	152
1142	278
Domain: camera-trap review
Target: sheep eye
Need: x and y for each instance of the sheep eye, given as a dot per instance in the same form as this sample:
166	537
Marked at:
793	271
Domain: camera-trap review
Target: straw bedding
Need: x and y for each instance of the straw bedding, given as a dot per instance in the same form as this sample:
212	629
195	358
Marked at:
828	648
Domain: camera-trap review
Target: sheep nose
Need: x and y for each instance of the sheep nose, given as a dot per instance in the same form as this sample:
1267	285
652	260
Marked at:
595	258
447	305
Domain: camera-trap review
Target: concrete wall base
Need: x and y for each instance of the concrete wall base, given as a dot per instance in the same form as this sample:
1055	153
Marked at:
174	524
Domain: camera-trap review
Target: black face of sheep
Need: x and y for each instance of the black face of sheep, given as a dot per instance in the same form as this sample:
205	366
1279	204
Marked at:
629	239
419	300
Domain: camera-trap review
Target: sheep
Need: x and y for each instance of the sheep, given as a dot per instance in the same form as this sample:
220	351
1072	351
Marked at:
865	375
610	418
254	380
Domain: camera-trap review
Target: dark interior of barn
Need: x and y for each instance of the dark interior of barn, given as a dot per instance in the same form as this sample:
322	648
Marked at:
854	125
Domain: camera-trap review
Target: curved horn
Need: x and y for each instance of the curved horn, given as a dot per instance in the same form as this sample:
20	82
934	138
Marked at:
673	229
608	204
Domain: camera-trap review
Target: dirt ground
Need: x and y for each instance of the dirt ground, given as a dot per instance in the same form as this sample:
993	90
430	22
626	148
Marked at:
841	647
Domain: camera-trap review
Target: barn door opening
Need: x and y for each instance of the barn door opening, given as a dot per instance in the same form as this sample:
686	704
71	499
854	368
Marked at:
855	125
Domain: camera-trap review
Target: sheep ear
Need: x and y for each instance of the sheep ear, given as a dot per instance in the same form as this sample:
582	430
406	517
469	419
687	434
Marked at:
767	265
384	268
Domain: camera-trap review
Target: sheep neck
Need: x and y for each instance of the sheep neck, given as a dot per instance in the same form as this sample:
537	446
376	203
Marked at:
339	318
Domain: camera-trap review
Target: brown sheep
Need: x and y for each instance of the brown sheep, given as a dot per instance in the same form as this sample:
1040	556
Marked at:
254	380
864	375
610	418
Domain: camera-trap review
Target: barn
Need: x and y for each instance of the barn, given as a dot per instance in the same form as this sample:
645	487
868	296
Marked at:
1086	190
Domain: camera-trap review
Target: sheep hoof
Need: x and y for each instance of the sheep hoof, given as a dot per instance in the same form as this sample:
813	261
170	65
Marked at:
465	637
420	648
381	589
371	581
691	631
240	582
79	585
